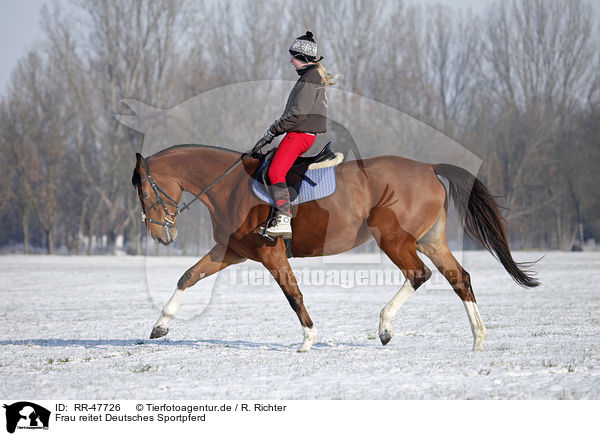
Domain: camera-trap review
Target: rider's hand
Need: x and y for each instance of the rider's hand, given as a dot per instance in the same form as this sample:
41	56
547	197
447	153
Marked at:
268	136
266	139
260	144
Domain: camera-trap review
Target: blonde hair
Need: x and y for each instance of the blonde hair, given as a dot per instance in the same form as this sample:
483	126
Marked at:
327	78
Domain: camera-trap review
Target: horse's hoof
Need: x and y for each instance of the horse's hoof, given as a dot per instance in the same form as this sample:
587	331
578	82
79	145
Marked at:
385	337
158	332
306	347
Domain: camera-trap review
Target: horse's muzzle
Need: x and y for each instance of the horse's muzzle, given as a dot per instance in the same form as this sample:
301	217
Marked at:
169	234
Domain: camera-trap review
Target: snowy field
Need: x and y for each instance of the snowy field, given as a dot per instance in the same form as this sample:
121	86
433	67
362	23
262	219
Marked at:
78	327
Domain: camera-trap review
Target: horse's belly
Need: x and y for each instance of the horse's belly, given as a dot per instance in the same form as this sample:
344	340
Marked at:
323	228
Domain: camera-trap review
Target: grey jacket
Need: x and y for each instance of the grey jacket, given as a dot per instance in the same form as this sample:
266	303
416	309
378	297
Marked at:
306	108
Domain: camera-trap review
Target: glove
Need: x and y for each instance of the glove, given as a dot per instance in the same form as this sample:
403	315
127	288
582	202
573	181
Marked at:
260	144
266	139
268	136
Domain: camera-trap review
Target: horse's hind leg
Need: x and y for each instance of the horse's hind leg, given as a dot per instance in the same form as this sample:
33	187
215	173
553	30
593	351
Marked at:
218	258
402	251
461	283
434	246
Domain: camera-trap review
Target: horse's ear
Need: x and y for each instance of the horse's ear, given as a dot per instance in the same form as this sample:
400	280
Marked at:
140	162
136	178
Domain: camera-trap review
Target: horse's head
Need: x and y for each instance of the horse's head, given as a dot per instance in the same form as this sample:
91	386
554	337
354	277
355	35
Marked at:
159	195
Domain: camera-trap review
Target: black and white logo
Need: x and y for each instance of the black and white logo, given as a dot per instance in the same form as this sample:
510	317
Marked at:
25	415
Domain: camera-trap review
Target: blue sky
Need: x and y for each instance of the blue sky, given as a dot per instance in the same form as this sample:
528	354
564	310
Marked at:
19	29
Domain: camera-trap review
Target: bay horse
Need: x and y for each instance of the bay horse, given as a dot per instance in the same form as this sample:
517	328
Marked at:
400	203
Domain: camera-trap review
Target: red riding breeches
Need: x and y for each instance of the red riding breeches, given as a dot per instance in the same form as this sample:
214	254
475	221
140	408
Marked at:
292	146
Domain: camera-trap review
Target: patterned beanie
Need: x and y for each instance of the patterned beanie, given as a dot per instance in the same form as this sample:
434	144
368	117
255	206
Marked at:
304	48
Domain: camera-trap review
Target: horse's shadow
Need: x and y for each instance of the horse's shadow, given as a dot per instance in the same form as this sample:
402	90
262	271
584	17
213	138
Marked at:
198	343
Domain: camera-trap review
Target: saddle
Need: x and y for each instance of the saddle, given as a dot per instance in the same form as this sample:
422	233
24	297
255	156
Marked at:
309	178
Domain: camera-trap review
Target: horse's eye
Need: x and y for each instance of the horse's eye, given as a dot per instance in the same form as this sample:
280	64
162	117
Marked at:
145	195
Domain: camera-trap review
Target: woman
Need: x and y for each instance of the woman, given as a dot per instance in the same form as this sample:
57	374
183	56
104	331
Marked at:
304	116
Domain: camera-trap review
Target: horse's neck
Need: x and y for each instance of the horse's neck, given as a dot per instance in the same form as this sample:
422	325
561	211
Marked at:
196	167
203	166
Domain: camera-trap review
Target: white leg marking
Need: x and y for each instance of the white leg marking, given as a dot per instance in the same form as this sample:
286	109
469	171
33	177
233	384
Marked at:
477	327
389	312
310	337
170	309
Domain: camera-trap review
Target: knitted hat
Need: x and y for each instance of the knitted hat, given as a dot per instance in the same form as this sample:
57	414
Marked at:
304	48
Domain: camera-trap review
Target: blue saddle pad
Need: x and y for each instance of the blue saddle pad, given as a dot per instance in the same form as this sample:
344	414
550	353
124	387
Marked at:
324	179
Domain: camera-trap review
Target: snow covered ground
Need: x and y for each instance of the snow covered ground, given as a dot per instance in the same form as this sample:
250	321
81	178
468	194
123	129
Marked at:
77	328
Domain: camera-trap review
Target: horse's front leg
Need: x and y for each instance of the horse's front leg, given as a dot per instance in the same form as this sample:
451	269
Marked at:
218	258
277	263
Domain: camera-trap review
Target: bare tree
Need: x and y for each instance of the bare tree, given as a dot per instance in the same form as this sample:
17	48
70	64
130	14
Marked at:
539	72
519	85
19	160
128	50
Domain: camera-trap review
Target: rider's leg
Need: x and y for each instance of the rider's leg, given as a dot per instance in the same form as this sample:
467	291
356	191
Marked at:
292	146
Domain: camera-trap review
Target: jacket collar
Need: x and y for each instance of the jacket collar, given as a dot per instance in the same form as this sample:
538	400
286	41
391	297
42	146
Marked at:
305	68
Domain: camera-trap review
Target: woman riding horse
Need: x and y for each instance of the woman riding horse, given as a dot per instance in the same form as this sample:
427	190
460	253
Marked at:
304	116
403	214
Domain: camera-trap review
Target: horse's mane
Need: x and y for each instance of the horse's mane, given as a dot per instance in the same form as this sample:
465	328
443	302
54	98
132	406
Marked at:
174	147
136	178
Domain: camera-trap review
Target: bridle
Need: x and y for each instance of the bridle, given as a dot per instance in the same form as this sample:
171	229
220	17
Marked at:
168	223
162	202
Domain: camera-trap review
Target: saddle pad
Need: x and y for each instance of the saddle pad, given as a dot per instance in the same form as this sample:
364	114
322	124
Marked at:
325	186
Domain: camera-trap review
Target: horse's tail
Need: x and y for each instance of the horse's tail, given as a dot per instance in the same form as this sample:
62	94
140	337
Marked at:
482	220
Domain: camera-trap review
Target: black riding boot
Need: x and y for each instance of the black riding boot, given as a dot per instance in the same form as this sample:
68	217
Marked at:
282	225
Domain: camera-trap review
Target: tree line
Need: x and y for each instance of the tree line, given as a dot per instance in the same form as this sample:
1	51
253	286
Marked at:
517	84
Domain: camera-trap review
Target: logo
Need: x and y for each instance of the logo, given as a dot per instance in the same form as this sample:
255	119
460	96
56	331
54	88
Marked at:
24	415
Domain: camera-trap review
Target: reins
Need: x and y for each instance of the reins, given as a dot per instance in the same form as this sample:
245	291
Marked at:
158	190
